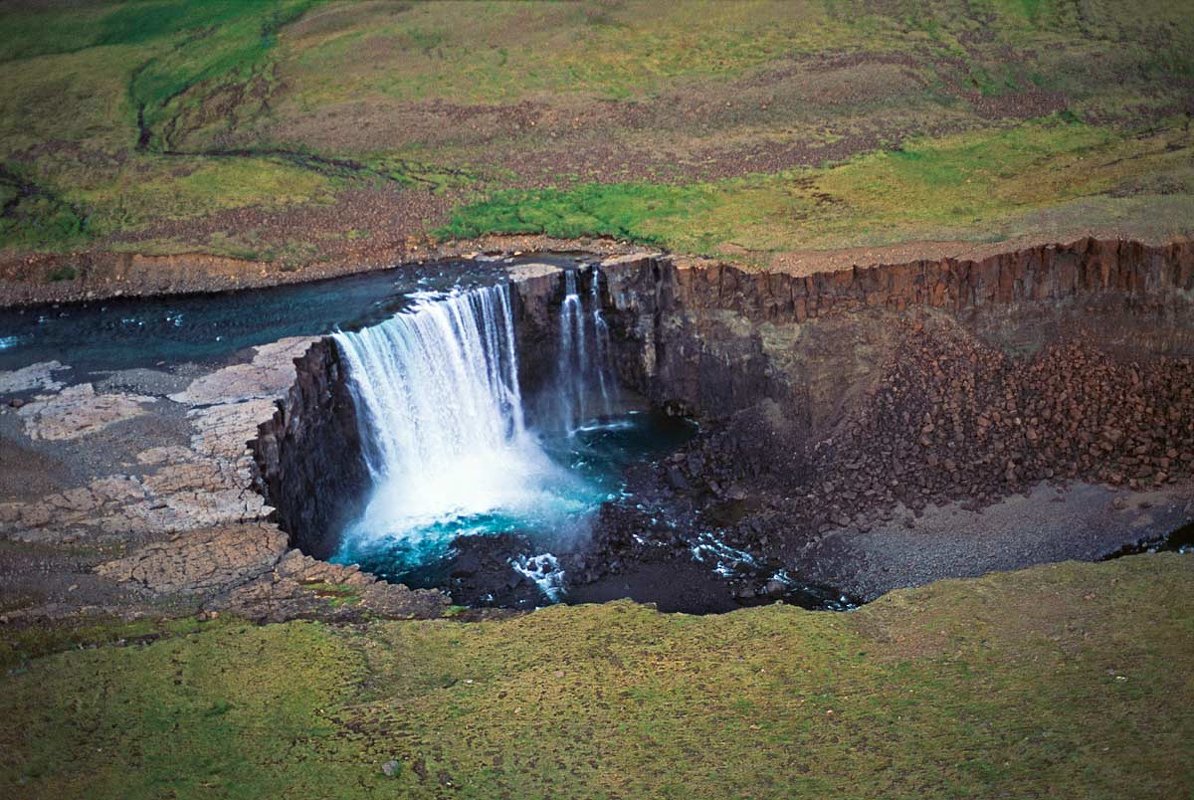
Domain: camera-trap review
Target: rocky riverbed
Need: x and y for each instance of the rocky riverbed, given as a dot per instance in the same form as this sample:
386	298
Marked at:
132	495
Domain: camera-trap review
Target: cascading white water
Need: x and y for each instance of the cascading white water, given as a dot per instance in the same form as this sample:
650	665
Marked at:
436	382
451	454
437	396
607	381
585	381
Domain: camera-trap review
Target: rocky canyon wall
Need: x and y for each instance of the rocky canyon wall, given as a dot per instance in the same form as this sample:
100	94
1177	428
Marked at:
715	338
309	456
841	401
912	382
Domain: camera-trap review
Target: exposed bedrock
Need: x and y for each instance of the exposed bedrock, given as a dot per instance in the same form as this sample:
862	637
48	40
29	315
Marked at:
537	291
719	338
310	463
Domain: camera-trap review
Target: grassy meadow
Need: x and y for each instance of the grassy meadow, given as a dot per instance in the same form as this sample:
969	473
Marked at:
746	128
1062	680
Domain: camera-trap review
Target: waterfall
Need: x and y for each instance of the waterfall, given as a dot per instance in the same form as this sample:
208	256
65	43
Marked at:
436	383
607	380
446	441
585	384
438	402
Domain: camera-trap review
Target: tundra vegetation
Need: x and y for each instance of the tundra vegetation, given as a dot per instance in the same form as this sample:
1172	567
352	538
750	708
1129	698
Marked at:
1038	683
301	131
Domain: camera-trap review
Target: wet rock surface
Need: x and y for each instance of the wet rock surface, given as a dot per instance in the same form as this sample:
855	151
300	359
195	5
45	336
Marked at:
481	572
309	454
42	375
661	550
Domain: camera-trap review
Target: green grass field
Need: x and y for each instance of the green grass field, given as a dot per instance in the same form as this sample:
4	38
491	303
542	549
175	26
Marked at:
750	128
929	189
1065	680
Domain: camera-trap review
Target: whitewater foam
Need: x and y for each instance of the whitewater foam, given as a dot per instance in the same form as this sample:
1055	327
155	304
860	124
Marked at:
446	443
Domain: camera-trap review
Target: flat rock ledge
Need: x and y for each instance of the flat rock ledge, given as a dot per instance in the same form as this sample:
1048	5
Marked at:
78	411
248	570
165	520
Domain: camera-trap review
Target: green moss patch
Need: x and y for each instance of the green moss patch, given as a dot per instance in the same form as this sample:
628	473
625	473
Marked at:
959	187
1062	680
228	713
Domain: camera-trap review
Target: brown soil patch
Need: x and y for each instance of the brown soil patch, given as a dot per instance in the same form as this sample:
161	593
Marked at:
361	224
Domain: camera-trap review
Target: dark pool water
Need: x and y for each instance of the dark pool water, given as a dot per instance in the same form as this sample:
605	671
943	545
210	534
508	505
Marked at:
1178	541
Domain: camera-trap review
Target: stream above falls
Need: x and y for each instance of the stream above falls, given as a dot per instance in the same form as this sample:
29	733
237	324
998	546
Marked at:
139	333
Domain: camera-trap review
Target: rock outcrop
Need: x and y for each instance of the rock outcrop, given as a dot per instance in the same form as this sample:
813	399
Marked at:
250	571
78	411
714	336
200	562
309	456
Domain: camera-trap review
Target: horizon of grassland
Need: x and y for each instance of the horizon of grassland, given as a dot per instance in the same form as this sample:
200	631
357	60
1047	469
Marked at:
290	131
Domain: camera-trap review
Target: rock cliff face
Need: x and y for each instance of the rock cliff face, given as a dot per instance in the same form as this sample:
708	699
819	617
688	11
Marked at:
309	455
536	293
715	338
842	403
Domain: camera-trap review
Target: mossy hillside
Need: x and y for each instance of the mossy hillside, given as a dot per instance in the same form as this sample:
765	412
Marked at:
964	186
226	713
162	49
34	217
189	186
635	49
105	105
97	85
1062	680
24	643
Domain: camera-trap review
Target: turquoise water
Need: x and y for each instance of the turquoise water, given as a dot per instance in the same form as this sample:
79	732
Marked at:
453	452
557	508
